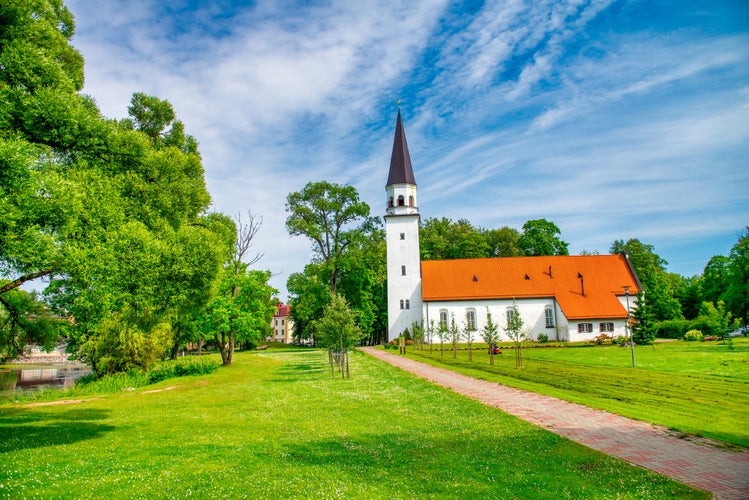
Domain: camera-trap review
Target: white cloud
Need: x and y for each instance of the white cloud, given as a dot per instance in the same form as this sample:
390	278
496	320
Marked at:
518	111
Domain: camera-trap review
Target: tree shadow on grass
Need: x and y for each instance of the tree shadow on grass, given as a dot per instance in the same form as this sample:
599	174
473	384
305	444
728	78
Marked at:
530	464
299	371
23	428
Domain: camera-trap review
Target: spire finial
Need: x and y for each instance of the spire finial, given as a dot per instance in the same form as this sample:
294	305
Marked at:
398	102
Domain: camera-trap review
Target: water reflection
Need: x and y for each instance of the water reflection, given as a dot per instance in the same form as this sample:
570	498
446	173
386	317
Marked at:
33	378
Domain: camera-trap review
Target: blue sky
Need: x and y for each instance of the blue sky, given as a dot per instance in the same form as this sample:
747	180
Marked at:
613	119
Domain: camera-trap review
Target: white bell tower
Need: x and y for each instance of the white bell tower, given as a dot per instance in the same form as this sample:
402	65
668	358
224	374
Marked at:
402	236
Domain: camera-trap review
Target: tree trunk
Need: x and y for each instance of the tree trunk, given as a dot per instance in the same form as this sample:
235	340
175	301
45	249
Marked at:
230	354
221	343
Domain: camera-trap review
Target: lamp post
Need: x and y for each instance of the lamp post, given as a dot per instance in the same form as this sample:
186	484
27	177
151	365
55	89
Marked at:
627	326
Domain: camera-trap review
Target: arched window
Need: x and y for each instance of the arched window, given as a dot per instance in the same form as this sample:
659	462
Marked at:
403	270
401	201
471	319
408	304
443	318
401	303
549	314
390	202
410	201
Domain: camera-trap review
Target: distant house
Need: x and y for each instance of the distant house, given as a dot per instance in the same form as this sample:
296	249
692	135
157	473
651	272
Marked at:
566	298
282	326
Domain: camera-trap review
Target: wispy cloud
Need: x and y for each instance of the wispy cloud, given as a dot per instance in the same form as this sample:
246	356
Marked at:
613	120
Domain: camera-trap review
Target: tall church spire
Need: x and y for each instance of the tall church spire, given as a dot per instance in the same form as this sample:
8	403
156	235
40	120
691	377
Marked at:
401	171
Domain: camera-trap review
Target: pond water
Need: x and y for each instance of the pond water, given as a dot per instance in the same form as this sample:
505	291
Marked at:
30	378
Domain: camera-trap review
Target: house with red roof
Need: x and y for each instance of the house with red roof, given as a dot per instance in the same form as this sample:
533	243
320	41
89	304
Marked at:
566	298
282	326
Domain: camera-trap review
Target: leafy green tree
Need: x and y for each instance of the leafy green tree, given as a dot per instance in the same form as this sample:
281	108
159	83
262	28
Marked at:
689	294
308	295
660	287
736	294
490	334
542	237
242	310
514	330
337	327
444	239
362	280
715	279
503	242
26	321
125	343
642	321
712	320
327	214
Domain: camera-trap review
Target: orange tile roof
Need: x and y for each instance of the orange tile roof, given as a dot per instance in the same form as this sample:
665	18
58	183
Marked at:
528	277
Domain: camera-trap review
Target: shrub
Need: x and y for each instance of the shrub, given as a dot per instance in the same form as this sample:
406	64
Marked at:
693	336
602	339
671	329
193	365
543	338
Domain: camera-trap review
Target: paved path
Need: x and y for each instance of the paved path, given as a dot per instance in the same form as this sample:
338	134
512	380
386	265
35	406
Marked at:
693	461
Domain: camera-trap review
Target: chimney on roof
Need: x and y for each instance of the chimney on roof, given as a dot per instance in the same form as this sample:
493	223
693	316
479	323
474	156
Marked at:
582	283
550	275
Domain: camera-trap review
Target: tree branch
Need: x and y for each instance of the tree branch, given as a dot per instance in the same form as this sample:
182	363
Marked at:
23	279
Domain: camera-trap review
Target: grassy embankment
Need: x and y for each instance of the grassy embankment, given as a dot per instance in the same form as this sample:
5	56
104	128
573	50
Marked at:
277	425
699	388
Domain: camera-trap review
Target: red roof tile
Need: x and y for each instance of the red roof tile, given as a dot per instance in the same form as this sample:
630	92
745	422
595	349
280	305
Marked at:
603	277
282	310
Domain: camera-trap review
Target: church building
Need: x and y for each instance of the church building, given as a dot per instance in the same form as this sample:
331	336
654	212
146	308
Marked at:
566	298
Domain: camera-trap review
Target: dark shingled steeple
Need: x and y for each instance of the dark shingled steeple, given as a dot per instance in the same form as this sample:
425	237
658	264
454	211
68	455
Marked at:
401	171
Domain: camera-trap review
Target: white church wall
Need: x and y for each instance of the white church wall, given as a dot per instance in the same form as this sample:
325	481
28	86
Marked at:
533	313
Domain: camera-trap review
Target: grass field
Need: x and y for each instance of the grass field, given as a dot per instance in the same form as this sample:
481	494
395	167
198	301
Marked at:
693	387
277	425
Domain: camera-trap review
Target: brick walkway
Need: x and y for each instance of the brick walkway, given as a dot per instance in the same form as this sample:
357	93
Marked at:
694	461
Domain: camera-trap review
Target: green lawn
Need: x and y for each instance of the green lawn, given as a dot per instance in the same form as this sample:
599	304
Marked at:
693	387
277	425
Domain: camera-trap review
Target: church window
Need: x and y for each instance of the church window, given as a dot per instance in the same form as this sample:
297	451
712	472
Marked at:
408	304
403	236
471	319
443	318
607	327
510	314
390	202
549	317
410	201
401	201
402	304
403	270
584	327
